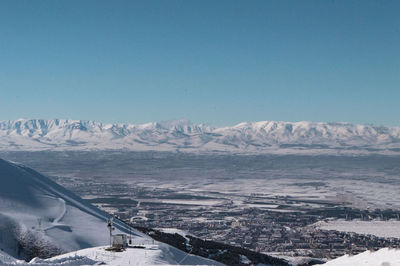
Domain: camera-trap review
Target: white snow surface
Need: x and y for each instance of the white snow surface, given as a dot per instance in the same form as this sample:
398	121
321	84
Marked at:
382	257
175	231
378	228
32	203
182	135
150	254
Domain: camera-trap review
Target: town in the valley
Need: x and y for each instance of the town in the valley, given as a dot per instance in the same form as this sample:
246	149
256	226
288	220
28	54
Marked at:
278	225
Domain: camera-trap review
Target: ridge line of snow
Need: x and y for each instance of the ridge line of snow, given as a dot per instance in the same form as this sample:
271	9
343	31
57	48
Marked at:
182	135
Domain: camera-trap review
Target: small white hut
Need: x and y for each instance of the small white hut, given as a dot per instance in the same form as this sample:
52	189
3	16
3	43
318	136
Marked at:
119	241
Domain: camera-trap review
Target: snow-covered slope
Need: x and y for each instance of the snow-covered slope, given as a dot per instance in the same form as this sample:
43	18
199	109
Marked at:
181	135
35	209
40	218
150	254
382	257
147	254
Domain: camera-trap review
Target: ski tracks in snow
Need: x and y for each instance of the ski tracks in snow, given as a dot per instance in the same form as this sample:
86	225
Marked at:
56	222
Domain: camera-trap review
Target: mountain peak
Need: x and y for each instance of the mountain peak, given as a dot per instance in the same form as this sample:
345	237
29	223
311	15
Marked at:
183	135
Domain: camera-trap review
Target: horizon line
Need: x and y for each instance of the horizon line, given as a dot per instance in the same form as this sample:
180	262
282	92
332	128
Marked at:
204	124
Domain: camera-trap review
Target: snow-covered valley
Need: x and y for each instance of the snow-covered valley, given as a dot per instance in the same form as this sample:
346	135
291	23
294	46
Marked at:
182	135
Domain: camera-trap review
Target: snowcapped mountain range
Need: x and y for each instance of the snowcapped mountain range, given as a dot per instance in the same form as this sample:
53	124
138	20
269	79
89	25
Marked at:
184	136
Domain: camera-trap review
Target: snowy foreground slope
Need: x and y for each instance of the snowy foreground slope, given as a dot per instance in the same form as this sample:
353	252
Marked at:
382	257
40	218
150	254
254	137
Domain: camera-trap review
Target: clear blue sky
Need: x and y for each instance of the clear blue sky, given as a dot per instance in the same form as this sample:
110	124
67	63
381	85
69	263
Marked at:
218	62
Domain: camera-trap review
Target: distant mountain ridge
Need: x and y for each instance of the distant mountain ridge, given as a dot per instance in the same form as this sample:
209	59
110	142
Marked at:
182	135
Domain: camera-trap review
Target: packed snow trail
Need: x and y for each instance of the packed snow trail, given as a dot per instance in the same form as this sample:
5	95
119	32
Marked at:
57	220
